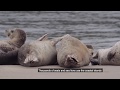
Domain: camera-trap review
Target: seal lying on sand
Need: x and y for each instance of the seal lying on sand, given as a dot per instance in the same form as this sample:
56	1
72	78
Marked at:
72	53
38	53
9	48
100	57
110	56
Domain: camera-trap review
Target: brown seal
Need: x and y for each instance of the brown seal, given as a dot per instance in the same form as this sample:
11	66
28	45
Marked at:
9	48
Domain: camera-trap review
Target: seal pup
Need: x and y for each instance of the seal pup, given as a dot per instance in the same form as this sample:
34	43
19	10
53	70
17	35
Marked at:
9	48
109	56
72	53
38	53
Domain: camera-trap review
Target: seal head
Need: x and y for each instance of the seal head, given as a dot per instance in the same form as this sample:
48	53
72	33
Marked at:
9	48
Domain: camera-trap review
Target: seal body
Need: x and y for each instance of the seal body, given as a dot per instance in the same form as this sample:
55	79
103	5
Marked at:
109	56
72	53
9	48
38	53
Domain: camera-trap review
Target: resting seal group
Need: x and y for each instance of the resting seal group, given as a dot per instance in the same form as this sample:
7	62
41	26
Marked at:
66	51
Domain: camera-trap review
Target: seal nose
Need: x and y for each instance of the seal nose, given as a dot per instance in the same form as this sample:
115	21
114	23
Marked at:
94	62
71	61
31	62
6	30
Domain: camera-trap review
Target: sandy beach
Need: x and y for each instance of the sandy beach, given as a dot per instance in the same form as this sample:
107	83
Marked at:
20	72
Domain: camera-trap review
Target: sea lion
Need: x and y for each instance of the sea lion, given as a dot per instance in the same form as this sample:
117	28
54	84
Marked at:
72	53
38	53
9	48
109	56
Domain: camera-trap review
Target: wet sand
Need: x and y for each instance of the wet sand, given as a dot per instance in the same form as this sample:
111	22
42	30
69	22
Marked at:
20	72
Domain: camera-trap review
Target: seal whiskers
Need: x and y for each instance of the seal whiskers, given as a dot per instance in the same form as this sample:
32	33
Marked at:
71	61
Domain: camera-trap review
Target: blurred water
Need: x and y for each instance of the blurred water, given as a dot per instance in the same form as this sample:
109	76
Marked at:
99	28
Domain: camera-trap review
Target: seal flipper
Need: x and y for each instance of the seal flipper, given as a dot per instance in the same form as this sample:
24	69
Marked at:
44	37
6	48
56	40
89	46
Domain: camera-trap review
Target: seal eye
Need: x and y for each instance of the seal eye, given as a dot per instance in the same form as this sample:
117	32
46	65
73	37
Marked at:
92	53
12	31
8	34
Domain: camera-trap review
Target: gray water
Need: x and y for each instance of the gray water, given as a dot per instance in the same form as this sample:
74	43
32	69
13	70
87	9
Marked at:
98	28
